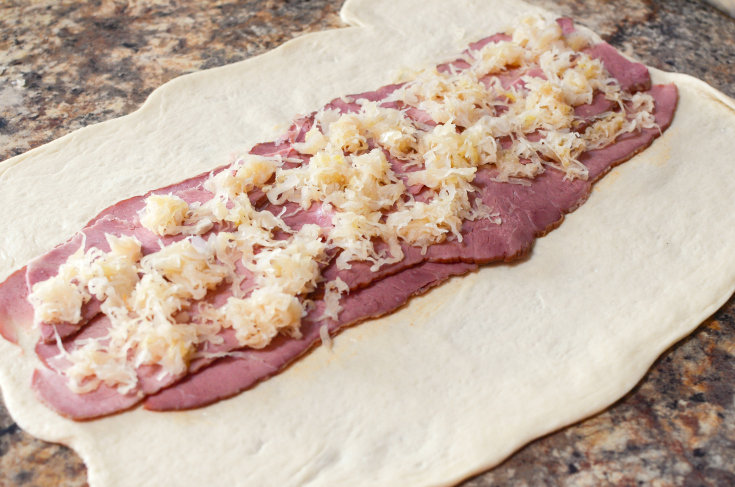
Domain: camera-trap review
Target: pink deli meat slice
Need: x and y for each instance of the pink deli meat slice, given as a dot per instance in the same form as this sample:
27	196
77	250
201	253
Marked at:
636	74
15	310
534	219
52	388
120	219
126	213
383	297
191	190
633	77
536	215
232	375
47	265
53	393
515	239
525	211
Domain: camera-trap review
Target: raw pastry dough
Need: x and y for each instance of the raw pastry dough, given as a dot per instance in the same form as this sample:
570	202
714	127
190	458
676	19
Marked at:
727	6
459	378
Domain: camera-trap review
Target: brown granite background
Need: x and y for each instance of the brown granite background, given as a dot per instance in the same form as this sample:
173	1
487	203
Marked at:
67	64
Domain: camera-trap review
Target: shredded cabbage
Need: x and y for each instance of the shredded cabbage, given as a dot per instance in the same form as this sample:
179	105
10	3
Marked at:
391	173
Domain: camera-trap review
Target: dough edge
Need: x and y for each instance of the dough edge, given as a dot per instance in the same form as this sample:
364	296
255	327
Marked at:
350	348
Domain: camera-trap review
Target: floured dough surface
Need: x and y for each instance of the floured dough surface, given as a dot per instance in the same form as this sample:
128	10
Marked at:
459	378
727	6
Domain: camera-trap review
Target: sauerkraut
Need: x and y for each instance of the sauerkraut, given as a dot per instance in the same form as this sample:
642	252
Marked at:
391	173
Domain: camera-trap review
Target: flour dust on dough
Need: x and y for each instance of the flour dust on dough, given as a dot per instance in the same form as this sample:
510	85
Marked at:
458	379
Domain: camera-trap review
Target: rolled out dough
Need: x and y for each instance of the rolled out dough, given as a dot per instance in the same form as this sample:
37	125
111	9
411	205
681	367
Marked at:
458	379
727	6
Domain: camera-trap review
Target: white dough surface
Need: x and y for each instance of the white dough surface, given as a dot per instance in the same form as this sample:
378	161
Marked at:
727	6
458	379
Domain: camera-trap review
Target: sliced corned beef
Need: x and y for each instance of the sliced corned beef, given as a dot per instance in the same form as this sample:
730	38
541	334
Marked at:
526	212
633	77
381	298
52	388
15	311
47	265
231	375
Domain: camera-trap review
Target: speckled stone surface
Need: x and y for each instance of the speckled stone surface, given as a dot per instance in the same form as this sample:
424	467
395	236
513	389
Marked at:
64	65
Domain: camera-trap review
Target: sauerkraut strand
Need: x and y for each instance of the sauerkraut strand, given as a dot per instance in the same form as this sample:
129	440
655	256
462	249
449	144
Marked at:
386	174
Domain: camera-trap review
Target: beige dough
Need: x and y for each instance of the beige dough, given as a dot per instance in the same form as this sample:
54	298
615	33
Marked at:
457	380
727	6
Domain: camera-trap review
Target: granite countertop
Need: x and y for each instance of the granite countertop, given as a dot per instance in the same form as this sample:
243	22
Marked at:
66	64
